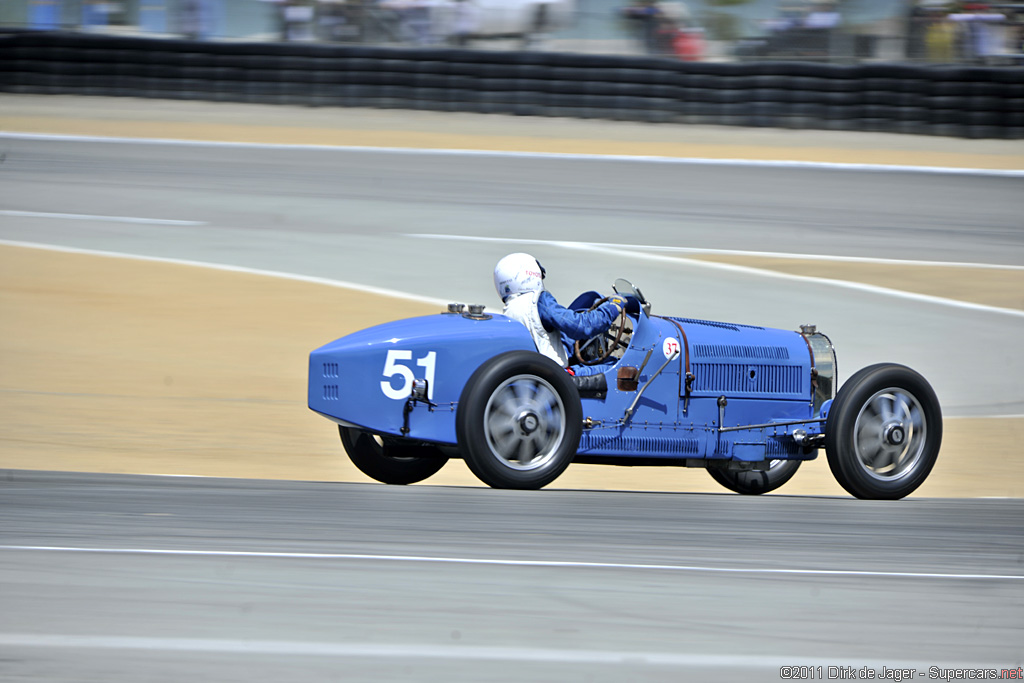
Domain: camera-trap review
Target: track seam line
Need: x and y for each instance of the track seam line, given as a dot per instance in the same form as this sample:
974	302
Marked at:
635	158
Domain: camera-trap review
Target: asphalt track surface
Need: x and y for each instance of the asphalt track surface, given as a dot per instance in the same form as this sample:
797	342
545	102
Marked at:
139	578
431	225
161	579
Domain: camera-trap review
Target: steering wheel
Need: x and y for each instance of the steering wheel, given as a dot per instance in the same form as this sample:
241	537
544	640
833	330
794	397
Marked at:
602	345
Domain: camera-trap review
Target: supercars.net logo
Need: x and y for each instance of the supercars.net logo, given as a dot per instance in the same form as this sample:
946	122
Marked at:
865	673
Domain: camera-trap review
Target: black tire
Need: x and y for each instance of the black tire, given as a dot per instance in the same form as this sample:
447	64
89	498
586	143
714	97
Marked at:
519	421
388	461
756	482
883	432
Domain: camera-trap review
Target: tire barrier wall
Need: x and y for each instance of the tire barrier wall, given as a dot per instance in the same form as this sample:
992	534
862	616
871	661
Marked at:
974	102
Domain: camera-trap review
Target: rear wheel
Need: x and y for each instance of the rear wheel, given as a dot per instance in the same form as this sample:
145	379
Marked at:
519	421
754	482
388	460
883	432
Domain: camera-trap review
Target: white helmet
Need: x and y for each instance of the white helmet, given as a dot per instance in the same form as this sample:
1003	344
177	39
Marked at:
518	273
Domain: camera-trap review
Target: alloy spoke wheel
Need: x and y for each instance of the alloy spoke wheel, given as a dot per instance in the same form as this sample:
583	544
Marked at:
524	422
890	434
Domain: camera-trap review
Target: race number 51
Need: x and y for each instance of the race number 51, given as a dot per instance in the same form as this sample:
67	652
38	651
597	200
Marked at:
395	367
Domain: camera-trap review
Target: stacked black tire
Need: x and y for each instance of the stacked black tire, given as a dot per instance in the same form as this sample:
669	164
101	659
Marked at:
976	102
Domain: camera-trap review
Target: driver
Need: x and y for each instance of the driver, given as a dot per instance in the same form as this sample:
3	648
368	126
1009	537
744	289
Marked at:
519	279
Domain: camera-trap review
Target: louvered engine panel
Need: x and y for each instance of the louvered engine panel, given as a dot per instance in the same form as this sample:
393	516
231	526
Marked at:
639	445
744	378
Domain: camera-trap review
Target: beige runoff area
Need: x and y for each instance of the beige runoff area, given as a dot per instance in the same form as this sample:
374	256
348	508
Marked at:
127	366
999	287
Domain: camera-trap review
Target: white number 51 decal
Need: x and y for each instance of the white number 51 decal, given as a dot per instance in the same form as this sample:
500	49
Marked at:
393	366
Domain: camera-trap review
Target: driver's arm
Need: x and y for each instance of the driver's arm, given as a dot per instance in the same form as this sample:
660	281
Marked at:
576	325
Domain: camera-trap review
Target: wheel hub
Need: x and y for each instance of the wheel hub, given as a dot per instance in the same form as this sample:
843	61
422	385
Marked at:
895	434
524	421
528	423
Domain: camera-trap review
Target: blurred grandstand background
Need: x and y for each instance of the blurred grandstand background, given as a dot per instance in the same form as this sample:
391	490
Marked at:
839	31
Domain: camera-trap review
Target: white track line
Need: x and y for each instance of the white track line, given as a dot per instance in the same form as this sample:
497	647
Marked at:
696	161
620	251
983	417
724	252
108	219
580	246
232	269
439	651
515	563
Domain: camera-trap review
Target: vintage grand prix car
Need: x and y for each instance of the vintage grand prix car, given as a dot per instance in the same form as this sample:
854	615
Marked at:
747	403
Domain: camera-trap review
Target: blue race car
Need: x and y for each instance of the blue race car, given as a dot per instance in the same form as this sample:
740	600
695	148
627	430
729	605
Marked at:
747	403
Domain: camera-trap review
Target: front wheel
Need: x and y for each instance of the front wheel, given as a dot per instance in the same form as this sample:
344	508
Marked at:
519	421
387	460
883	432
755	482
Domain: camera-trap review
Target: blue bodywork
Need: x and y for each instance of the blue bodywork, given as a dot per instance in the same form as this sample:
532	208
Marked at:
719	391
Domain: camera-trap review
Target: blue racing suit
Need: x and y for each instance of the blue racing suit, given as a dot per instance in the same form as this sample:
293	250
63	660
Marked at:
576	325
